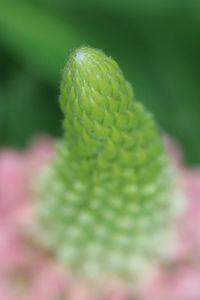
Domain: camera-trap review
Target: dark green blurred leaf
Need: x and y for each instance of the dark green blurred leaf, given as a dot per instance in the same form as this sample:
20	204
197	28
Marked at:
38	38
25	111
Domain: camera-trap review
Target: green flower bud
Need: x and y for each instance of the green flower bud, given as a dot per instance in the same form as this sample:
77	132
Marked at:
107	199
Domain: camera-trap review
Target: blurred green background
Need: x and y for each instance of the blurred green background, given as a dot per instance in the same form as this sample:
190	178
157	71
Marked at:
156	43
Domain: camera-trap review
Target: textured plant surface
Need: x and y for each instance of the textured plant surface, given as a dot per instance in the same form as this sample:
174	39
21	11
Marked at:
27	273
107	199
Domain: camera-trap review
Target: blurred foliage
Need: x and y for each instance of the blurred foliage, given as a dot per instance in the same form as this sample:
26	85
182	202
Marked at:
157	44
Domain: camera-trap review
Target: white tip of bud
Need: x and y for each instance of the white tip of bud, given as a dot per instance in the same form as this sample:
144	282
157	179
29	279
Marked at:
81	55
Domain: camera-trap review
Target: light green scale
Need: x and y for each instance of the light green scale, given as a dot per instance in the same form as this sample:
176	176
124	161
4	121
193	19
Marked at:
107	200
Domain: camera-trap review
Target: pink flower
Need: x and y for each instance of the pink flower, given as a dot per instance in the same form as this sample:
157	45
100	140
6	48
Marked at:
28	273
179	278
13	184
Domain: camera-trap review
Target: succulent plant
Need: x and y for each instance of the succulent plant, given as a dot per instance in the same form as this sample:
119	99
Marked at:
107	200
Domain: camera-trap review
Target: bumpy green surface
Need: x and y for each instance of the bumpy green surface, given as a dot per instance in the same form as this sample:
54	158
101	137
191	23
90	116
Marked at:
106	200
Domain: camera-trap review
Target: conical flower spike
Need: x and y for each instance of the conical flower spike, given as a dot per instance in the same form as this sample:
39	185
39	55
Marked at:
107	199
